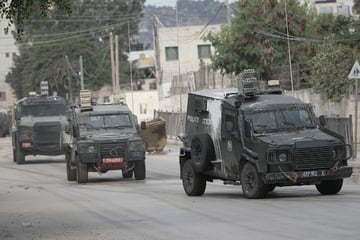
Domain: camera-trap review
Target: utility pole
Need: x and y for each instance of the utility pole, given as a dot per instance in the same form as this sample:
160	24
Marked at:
112	63
289	51
228	16
69	78
130	62
81	73
117	83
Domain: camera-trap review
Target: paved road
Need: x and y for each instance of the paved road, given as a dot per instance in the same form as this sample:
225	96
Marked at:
36	202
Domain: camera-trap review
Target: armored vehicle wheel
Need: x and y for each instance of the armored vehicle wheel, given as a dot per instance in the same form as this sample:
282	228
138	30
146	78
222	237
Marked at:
194	183
81	171
251	182
202	152
128	174
139	170
330	186
70	170
270	187
19	156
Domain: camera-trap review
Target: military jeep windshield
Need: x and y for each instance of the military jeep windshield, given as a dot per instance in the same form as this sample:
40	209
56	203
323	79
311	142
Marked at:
280	119
105	121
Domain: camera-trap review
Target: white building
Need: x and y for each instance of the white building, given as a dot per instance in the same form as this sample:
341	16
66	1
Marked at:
335	7
179	50
8	50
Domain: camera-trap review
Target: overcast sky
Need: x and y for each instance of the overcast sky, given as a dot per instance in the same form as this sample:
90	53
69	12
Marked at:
170	2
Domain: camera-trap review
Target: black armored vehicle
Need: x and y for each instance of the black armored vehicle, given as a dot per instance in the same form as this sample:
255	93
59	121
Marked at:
261	140
38	127
103	138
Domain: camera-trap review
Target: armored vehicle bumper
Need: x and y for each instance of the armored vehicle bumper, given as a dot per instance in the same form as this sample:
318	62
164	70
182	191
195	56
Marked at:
308	176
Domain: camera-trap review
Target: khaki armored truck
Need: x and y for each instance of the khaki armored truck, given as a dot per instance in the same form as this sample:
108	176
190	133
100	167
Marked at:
38	127
261	140
103	138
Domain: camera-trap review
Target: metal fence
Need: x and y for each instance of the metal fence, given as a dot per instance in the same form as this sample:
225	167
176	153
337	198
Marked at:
175	122
342	126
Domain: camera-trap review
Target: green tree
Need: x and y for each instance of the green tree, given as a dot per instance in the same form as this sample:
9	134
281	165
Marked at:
257	37
50	48
331	66
19	11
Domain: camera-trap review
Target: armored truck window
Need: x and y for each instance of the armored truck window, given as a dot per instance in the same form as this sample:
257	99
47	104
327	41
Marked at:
43	110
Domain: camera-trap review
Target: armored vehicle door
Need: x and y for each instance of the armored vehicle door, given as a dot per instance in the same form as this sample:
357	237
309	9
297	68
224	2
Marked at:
230	143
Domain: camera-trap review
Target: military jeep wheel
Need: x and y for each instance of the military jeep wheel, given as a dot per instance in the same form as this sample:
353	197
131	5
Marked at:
202	152
251	182
128	174
70	170
194	183
330	186
81	171
140	170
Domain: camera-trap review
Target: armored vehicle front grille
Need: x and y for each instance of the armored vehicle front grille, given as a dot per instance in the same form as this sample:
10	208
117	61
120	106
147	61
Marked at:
313	158
112	150
47	136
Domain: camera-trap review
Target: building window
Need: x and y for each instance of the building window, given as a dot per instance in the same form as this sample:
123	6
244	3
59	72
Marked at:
7	55
143	108
325	10
171	53
2	96
204	51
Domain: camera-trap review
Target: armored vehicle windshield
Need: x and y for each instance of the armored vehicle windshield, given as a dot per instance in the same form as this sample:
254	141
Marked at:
43	110
280	119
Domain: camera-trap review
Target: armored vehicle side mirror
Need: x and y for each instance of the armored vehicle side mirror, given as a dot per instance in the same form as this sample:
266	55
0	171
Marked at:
76	131
68	115
248	129
322	120
143	125
229	126
67	129
17	115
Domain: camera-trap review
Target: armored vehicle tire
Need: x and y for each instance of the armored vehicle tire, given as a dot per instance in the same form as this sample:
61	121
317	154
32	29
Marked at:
202	152
81	171
194	183
270	187
70	170
251	182
128	174
330	186
19	156
140	170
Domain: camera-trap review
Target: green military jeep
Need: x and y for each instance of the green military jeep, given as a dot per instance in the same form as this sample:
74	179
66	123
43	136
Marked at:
103	138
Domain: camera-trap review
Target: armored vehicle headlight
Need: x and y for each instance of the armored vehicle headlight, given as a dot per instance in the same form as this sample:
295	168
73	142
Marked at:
282	157
136	146
87	148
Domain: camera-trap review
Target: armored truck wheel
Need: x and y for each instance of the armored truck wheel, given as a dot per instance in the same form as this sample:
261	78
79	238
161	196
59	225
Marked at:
202	152
330	186
128	174
19	156
251	182
70	170
139	170
194	183
81	171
